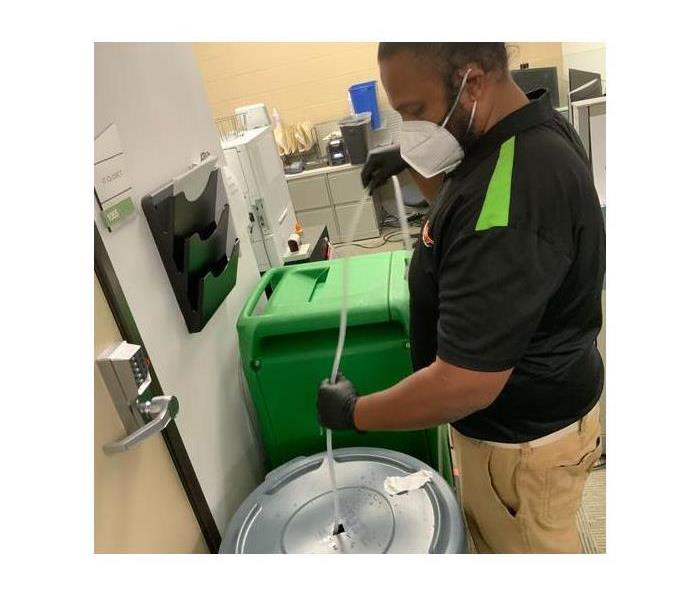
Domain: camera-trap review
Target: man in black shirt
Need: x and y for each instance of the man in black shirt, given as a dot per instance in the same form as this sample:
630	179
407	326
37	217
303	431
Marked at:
505	289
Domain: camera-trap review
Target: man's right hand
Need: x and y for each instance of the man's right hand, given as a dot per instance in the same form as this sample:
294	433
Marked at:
335	404
381	164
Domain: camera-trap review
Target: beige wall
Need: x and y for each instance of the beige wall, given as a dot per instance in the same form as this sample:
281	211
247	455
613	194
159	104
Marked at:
537	54
309	81
587	56
540	54
304	81
140	505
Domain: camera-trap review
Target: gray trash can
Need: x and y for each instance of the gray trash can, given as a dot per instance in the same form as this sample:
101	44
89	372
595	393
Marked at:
292	510
355	131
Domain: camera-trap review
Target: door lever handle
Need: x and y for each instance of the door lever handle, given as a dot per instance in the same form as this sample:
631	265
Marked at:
162	409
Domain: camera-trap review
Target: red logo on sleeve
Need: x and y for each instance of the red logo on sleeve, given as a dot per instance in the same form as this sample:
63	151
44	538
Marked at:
427	240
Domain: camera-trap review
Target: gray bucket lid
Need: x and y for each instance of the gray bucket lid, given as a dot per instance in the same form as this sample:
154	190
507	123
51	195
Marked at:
292	510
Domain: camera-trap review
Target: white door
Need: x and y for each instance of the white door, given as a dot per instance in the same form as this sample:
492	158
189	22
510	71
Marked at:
154	95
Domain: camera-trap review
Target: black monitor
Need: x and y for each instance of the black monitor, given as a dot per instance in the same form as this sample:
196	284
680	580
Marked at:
584	85
541	77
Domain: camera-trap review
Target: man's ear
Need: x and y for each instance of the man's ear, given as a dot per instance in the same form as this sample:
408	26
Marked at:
474	87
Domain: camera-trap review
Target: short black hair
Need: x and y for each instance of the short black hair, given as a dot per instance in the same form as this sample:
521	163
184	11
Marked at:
492	57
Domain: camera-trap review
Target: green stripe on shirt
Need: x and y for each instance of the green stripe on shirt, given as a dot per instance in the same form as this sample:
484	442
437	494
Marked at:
496	207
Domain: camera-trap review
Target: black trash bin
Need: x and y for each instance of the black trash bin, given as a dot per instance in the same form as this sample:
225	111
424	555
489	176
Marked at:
355	130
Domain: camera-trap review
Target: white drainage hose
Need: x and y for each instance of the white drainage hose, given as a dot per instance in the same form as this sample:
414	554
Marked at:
342	328
401	210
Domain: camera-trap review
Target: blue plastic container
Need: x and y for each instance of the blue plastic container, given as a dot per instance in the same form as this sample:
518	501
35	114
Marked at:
364	99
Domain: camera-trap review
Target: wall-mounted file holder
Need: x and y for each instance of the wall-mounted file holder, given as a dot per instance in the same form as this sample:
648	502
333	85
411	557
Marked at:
198	252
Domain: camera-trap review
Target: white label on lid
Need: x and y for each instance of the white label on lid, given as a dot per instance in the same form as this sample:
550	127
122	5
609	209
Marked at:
396	485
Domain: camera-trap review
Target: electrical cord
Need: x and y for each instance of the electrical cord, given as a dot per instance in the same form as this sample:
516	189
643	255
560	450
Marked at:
388	217
388	220
393	236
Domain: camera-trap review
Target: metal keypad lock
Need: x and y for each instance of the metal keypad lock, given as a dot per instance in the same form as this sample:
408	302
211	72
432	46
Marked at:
125	371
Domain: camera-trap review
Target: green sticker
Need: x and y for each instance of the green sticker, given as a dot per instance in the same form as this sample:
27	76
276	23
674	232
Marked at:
496	208
117	213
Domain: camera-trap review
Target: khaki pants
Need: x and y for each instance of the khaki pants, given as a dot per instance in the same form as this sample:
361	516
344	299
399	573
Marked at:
525	499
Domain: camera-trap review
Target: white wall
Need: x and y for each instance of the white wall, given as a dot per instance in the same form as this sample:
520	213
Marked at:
155	94
586	56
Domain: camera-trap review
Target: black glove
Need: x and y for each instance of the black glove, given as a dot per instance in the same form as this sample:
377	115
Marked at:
382	163
335	404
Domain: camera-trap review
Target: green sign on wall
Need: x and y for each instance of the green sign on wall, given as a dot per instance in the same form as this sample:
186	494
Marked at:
118	212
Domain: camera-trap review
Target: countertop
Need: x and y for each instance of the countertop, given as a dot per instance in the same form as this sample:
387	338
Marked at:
310	236
322	171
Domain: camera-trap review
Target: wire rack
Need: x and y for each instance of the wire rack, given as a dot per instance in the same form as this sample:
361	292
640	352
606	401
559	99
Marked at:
230	126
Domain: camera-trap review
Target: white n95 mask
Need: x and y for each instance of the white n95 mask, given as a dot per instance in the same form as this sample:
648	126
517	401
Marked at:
429	148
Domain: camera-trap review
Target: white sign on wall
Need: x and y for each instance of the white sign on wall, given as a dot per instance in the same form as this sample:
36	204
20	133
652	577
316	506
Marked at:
112	184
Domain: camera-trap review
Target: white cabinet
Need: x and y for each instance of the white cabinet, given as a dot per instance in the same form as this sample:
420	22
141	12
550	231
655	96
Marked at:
320	216
346	187
332	197
366	225
588	118
309	192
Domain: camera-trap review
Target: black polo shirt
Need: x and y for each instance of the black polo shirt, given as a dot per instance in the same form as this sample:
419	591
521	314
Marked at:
509	274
